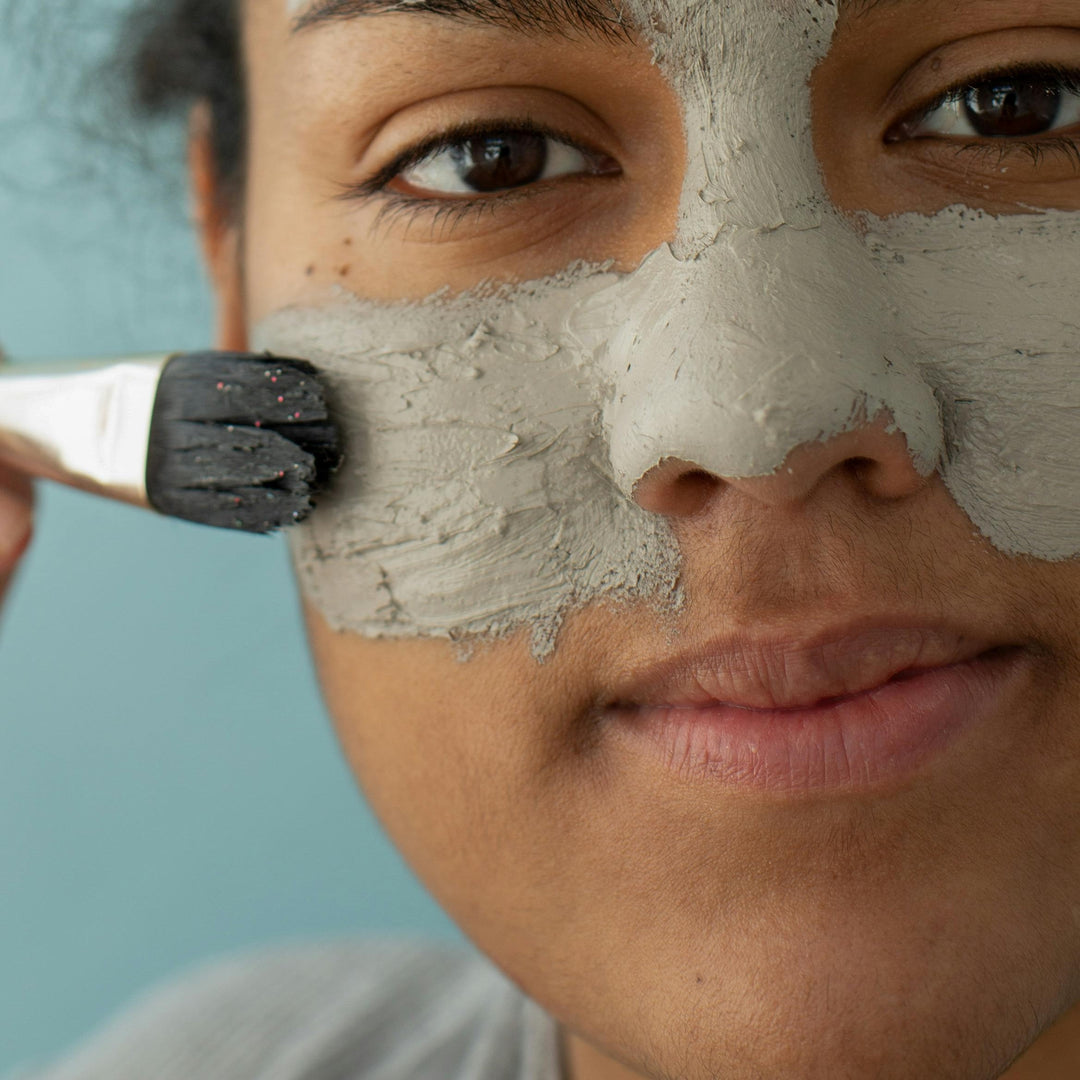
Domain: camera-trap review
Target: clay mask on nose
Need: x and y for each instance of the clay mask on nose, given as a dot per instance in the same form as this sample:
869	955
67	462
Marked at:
495	439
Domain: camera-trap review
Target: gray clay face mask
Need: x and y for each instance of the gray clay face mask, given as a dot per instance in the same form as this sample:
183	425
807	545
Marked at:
494	440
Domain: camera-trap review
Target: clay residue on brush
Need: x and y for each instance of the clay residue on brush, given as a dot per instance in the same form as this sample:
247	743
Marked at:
239	441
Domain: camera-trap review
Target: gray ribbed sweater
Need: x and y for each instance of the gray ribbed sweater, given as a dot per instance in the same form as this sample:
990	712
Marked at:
350	1010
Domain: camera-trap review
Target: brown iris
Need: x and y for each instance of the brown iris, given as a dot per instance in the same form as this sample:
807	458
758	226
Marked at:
506	160
1011	107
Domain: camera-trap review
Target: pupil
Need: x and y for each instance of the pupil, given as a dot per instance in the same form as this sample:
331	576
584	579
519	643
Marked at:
1011	107
509	160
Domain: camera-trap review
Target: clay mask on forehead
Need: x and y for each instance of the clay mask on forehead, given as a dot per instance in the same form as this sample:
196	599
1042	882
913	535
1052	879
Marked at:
495	439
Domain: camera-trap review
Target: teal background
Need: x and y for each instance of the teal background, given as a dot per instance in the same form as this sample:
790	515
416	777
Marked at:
170	788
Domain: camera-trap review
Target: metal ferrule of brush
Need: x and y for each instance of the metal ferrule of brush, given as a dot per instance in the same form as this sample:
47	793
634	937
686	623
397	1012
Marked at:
86	425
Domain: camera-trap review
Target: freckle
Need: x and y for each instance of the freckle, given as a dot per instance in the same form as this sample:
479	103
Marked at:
345	270
310	270
347	241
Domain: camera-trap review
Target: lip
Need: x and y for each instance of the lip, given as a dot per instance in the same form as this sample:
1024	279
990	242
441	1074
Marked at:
848	710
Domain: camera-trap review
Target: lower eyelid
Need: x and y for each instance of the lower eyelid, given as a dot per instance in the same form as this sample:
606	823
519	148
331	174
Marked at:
1050	160
447	213
1036	150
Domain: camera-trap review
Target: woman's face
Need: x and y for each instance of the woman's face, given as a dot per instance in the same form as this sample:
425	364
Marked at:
771	435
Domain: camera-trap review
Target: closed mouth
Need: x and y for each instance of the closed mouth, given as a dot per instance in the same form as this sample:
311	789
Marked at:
771	673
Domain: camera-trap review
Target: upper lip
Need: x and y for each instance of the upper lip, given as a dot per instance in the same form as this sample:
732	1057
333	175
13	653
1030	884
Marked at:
773	671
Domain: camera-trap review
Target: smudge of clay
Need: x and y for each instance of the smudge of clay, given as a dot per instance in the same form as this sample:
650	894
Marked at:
495	437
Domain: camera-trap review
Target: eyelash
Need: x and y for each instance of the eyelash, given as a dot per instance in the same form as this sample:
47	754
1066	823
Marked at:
1065	145
446	213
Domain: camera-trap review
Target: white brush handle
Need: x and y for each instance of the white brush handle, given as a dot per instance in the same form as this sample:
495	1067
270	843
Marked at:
84	425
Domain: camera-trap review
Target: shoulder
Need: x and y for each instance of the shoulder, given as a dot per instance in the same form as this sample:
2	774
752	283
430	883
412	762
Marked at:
342	1009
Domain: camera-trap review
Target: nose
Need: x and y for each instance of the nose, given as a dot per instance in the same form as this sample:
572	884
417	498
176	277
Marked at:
777	365
874	458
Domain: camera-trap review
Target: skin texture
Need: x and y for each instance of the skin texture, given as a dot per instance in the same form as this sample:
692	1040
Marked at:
674	928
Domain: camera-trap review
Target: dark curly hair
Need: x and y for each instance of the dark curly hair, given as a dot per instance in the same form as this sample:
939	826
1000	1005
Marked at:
178	52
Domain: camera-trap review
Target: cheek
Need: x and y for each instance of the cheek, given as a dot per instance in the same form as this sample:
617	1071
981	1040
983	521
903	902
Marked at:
985	309
413	723
468	766
476	495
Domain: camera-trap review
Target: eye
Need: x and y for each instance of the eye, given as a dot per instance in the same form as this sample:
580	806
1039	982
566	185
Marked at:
1015	105
488	162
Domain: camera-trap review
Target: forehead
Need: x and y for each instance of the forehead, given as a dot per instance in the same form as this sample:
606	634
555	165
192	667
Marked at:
542	10
556	16
543	15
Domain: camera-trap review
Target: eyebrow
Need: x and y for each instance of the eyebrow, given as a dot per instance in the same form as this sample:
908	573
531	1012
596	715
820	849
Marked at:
550	17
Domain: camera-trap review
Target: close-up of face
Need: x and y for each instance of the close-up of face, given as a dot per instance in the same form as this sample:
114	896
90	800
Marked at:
698	603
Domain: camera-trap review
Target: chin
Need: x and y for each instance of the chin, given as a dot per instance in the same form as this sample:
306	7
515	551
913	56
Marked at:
846	1022
819	984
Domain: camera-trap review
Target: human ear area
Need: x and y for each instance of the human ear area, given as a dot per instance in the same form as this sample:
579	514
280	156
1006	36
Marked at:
217	224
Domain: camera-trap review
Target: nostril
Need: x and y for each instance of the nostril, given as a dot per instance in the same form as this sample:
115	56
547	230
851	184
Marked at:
873	456
888	477
676	489
699	485
859	467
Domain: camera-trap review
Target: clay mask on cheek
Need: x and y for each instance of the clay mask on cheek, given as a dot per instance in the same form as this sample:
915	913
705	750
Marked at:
476	496
495	440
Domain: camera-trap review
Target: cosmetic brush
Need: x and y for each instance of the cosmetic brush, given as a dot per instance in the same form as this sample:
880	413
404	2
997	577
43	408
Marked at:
233	440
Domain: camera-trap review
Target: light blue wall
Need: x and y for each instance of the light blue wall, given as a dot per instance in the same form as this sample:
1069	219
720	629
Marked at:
169	785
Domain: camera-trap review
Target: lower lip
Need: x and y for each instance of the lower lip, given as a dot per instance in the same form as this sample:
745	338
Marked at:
855	744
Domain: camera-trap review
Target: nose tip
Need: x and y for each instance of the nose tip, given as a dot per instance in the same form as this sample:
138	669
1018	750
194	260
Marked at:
874	456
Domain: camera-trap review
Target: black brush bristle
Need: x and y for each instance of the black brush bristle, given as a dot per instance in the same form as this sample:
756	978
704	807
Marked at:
239	441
